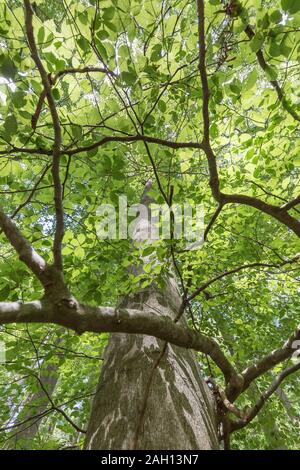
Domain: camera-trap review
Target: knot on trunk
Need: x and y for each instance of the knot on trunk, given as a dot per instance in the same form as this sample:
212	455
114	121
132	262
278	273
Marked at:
67	302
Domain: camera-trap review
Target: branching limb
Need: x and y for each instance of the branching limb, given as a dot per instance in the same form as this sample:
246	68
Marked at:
265	67
32	420
222	198
233	9
241	268
56	151
279	213
83	318
135	138
271	360
56	408
32	192
53	80
104	140
212	221
291	204
253	412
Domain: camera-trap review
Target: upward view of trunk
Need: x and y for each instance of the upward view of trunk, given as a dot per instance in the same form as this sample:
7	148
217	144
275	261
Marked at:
179	412
151	396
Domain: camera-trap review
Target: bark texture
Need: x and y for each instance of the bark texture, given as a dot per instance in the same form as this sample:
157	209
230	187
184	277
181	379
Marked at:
146	399
179	411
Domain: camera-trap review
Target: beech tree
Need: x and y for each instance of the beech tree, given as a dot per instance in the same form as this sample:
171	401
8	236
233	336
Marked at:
120	343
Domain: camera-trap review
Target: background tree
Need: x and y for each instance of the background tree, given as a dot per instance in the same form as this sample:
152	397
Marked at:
202	98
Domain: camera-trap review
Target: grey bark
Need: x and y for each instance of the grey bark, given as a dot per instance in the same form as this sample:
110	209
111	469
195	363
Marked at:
142	402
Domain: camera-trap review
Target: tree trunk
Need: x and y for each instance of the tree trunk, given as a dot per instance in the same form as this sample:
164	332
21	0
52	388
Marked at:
151	395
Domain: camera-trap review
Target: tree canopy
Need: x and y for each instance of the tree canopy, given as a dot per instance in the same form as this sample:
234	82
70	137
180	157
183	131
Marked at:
201	97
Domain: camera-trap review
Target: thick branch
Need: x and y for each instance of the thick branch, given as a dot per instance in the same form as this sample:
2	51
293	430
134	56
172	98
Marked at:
110	138
291	204
211	159
202	69
278	213
53	80
56	151
24	249
90	69
83	318
134	138
253	412
271	360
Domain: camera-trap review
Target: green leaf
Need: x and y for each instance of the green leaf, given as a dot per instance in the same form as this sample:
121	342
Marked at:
41	35
18	98
250	81
51	60
83	17
7	67
275	49
136	9
214	132
77	132
257	42
156	53
4	293
111	26
79	252
292	6
276	16
271	73
124	51
235	86
56	94
129	77
101	49
11	125
109	13
162	106
83	43
60	65
285	50
102	34
147	268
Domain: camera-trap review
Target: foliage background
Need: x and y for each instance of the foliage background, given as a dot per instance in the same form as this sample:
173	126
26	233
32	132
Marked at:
152	47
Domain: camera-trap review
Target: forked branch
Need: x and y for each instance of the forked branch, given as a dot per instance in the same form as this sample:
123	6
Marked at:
279	213
250	414
56	150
